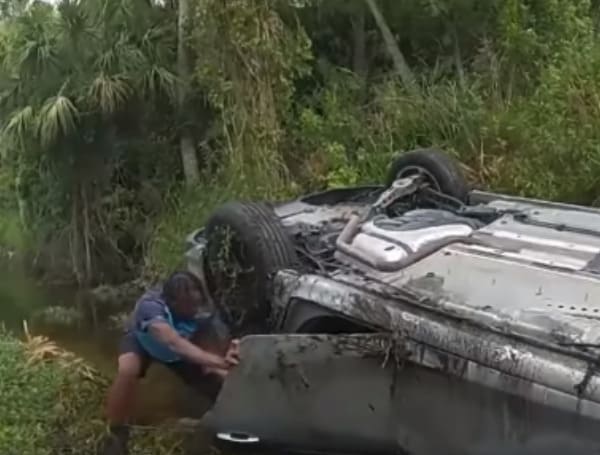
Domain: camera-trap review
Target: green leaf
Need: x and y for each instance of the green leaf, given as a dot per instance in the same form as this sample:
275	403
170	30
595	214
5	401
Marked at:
19	125
161	80
58	117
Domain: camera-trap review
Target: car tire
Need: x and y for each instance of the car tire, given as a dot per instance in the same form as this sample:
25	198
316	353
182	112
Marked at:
442	171
248	237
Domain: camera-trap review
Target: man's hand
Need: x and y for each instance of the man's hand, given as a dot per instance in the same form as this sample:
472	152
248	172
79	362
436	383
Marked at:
232	356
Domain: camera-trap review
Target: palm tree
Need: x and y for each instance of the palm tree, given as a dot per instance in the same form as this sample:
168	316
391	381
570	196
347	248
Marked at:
71	79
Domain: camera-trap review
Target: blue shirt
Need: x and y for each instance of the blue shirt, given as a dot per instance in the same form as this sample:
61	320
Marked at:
152	307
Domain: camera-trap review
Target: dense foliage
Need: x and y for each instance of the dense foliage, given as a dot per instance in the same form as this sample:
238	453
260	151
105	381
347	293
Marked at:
108	106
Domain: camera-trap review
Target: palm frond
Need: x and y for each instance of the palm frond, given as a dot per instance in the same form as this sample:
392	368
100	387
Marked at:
114	12
10	87
34	46
110	93
20	125
121	56
58	118
159	44
75	24
107	60
40	349
159	80
129	55
72	15
35	56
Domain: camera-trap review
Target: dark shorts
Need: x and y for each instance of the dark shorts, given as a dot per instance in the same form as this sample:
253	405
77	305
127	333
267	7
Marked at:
191	374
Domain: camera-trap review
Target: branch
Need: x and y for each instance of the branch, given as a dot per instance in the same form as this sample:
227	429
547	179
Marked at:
400	65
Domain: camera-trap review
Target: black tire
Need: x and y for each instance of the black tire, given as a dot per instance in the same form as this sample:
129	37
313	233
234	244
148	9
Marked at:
442	171
249	236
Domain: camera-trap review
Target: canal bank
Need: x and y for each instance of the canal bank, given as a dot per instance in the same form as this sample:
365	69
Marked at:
56	364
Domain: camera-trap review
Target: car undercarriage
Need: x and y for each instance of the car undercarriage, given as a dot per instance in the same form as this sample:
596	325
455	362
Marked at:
414	317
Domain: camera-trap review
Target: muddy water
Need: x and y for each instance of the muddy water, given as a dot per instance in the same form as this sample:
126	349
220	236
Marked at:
161	396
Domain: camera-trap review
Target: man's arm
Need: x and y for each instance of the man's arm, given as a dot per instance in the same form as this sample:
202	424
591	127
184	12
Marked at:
164	333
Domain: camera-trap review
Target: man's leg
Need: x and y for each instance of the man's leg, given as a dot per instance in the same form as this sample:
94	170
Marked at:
122	393
132	366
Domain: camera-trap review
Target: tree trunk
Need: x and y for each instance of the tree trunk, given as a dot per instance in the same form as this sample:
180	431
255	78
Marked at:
359	56
458	63
21	203
400	65
75	236
87	236
189	160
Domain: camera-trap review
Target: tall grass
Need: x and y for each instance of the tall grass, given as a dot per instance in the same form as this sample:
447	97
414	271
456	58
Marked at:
543	142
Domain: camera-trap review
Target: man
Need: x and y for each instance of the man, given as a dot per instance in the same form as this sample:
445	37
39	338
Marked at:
169	325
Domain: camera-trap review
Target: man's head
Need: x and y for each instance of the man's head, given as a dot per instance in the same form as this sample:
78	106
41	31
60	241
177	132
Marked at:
185	296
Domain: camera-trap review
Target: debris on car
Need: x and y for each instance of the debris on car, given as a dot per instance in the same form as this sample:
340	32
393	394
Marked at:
417	316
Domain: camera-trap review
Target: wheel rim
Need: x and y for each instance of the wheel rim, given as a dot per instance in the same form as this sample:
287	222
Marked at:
428	177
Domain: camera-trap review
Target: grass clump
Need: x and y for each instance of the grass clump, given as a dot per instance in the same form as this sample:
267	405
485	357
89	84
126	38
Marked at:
51	402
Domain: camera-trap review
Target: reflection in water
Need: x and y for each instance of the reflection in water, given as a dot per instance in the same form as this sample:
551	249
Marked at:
161	395
19	299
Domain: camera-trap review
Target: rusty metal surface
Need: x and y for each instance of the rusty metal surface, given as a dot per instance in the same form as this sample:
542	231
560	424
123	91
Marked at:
380	393
554	368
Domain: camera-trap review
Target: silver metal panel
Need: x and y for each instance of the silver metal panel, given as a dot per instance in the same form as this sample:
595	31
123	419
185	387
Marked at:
521	293
546	238
418	238
377	249
485	197
573	218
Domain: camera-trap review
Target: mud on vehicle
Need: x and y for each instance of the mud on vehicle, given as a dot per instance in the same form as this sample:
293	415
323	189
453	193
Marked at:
417	316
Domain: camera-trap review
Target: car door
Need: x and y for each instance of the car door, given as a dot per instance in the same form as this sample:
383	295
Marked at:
372	393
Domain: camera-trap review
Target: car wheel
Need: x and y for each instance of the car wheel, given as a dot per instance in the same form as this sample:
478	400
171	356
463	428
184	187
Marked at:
246	245
441	171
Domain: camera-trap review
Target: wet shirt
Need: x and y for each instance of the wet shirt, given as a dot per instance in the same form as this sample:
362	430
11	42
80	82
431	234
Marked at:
152	307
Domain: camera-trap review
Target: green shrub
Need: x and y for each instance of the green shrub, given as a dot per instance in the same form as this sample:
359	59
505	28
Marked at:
50	404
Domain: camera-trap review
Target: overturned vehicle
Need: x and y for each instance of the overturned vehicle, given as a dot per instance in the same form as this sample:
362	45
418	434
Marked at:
413	317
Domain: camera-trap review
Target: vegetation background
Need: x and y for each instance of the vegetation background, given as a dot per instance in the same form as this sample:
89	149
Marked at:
124	122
